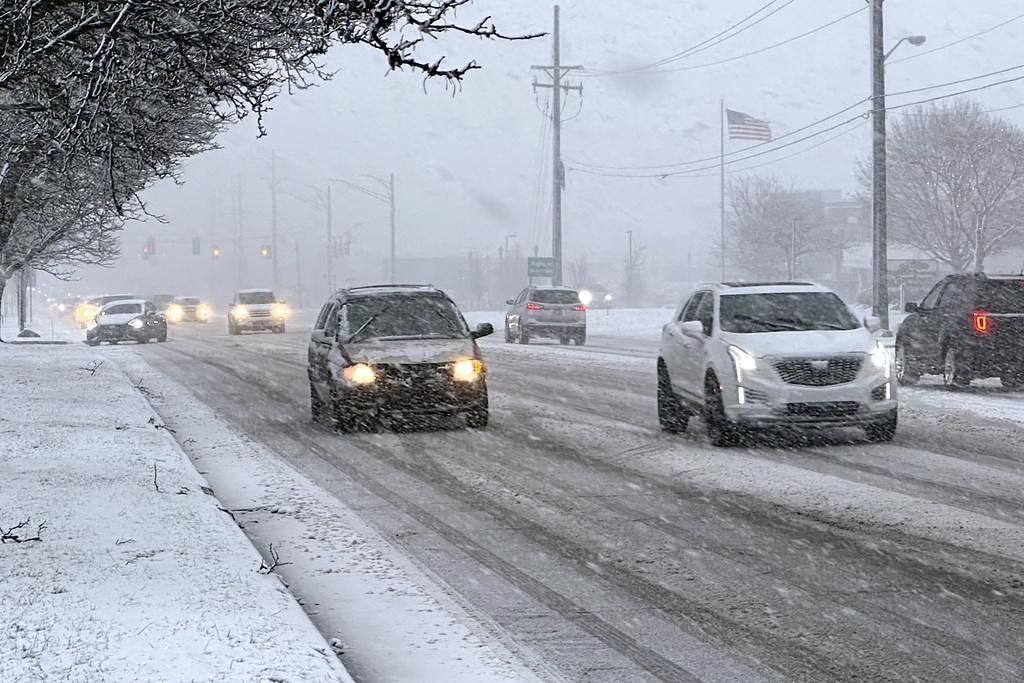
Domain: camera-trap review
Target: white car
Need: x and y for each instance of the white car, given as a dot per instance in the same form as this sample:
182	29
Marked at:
256	309
760	355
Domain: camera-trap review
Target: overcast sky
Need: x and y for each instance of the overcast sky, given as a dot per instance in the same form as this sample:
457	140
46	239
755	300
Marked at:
471	166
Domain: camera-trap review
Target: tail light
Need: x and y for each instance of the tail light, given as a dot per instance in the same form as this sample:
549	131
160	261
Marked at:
580	307
981	321
533	307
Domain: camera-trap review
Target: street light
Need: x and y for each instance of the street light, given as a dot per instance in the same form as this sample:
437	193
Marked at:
510	236
879	233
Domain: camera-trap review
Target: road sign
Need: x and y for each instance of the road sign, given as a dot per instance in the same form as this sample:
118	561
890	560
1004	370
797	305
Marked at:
540	266
913	272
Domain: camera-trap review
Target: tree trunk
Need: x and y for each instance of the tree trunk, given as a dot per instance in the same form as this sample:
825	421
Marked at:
3	284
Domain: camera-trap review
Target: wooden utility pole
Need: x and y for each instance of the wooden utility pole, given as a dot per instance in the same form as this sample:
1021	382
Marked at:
557	72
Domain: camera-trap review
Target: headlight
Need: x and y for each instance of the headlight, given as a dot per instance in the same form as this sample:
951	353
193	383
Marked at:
175	313
203	311
280	311
586	297
467	370
742	362
61	307
880	359
360	373
135	324
240	312
91	325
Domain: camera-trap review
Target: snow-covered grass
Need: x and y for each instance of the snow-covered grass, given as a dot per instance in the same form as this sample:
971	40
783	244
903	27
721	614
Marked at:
137	574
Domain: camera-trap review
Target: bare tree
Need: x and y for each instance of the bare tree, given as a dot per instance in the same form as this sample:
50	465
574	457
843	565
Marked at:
773	227
956	182
635	263
579	270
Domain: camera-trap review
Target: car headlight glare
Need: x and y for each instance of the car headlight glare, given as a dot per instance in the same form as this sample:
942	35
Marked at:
203	311
360	373
91	325
175	313
880	358
742	362
240	312
135	324
280	311
467	370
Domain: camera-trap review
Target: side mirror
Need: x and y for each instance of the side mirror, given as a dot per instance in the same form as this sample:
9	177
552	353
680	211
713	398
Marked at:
912	307
510	302
482	330
873	323
692	328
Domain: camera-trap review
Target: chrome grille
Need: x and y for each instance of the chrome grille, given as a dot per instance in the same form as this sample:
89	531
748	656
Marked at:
826	409
818	372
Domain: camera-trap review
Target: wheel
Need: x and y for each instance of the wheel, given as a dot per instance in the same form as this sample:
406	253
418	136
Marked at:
92	343
673	417
144	340
581	340
907	373
163	336
316	405
233	329
508	334
882	431
279	329
564	341
953	373
524	335
721	430
113	342
1012	381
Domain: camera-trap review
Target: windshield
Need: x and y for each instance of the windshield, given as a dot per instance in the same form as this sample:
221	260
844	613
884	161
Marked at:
405	316
121	309
188	301
785	312
257	298
1001	296
555	296
113	297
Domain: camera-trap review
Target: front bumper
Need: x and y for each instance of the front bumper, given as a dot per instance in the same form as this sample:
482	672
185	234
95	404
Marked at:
420	390
760	401
102	333
259	323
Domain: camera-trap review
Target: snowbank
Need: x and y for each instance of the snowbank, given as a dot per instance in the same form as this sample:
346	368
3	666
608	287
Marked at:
137	575
614	322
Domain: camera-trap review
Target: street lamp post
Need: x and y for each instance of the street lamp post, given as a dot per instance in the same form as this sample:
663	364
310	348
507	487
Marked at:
879	233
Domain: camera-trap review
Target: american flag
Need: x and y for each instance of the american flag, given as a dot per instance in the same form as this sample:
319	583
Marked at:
745	127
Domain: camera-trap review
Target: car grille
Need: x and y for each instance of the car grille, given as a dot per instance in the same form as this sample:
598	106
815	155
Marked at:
818	372
420	386
114	331
826	409
259	314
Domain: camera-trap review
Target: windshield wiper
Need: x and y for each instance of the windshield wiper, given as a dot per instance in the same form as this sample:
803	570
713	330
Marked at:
369	320
779	323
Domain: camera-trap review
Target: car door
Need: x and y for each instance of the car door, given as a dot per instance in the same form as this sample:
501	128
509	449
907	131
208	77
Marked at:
320	342
949	315
516	313
151	320
680	348
920	329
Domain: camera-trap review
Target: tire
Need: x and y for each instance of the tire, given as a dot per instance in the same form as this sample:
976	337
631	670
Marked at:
508	334
144	340
581	340
721	431
884	431
279	329
564	341
233	330
92	343
673	417
163	336
907	373
524	335
953	375
1012	381
316	405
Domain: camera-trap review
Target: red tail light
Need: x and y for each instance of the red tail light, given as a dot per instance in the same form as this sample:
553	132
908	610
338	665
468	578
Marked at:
580	307
981	321
533	307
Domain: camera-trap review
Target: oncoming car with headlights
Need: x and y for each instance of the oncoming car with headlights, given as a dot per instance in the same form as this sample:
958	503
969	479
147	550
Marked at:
397	352
127	320
758	355
257	309
188	309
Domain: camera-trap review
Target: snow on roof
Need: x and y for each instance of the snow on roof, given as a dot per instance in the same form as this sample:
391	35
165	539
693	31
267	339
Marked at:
255	291
126	301
377	290
729	288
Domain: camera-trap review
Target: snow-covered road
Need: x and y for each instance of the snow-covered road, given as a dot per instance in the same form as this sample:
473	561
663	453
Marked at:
598	548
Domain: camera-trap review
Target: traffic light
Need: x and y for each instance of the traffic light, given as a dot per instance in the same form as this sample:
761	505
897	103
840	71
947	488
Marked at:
195	246
215	251
149	248
265	251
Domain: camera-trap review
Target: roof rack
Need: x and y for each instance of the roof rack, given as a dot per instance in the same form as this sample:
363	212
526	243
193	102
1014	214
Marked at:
780	283
399	286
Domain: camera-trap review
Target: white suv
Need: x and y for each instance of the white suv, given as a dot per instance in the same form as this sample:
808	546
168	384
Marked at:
758	355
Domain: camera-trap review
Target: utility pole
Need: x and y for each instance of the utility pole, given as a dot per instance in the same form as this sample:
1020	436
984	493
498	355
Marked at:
629	266
273	218
879	233
792	252
330	241
391	199
556	72
239	254
298	276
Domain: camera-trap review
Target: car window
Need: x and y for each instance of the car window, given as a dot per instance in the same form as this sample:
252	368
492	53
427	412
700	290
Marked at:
706	313
690	309
321	319
395	317
556	296
932	298
256	298
1001	296
150	308
784	312
122	309
952	295
522	296
331	322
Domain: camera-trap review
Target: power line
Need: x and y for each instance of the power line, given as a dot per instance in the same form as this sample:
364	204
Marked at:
921	53
955	94
701	46
957	82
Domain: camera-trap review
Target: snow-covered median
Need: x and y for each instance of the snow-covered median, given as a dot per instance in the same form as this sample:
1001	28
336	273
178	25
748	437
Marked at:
137	575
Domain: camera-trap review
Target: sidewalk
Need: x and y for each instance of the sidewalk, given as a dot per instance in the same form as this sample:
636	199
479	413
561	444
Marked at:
136	574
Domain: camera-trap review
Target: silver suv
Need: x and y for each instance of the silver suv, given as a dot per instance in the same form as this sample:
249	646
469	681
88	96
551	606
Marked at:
553	312
758	355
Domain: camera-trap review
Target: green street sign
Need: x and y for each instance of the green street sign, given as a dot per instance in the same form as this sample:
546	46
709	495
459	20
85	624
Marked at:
540	266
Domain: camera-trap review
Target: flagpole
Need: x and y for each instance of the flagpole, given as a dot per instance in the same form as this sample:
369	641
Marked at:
721	167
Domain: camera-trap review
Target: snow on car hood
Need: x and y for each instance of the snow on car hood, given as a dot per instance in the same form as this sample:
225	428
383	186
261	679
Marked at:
810	343
117	318
409	351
